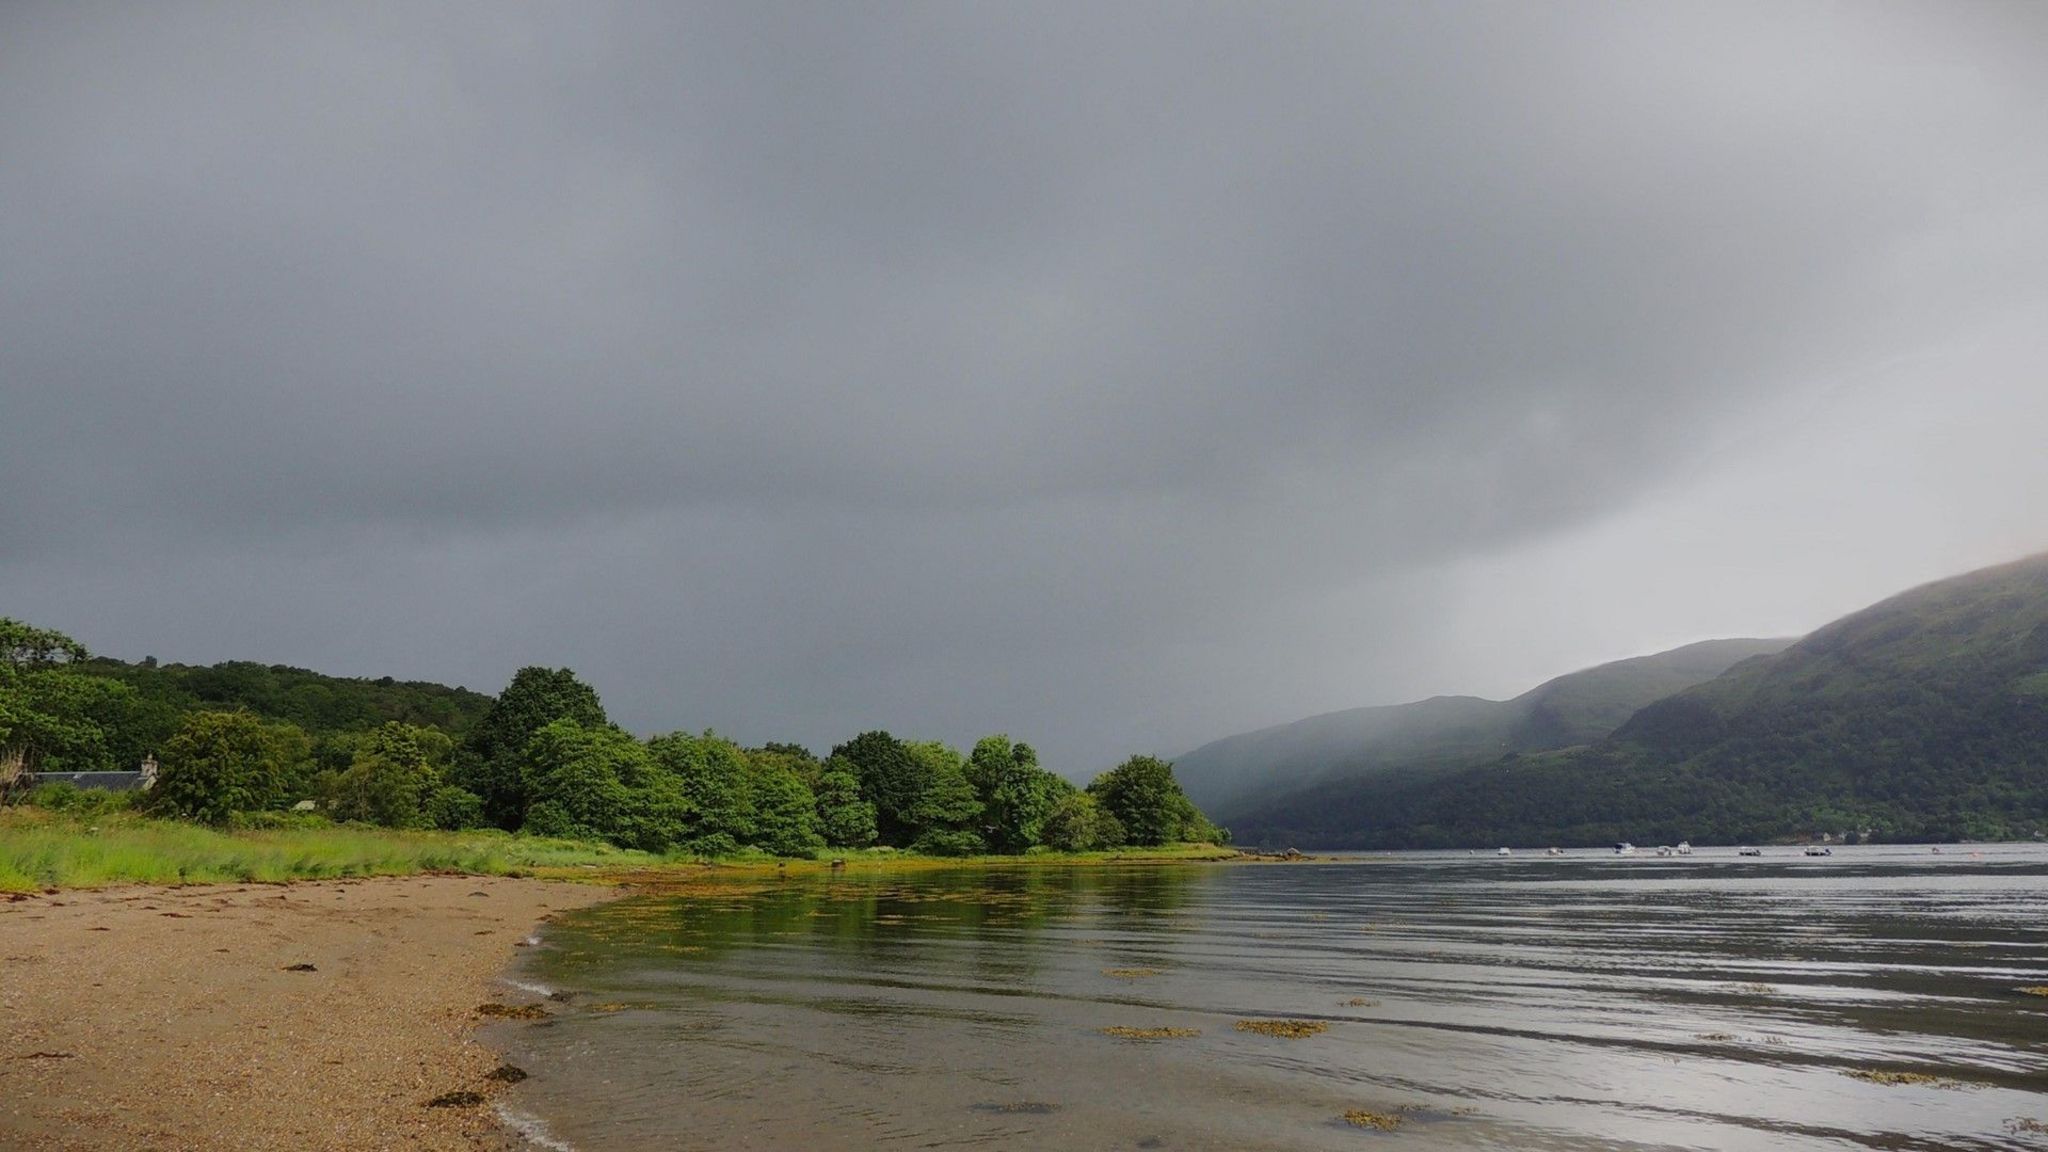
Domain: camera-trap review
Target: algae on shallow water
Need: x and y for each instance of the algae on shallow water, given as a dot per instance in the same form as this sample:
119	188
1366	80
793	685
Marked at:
1286	1029
1380	1121
1130	973
1874	1076
1124	1032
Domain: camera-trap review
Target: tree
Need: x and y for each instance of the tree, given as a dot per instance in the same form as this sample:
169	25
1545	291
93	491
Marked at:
1145	798
536	697
390	779
784	808
946	815
48	711
218	764
711	773
892	780
25	647
576	776
1016	794
845	817
1077	823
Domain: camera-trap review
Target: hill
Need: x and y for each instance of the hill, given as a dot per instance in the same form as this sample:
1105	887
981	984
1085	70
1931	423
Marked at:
1240	772
1924	716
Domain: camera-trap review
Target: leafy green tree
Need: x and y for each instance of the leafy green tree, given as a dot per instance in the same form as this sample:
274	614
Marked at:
453	808
492	766
785	810
576	778
711	773
795	757
947	814
845	817
1077	823
1016	794
891	778
26	647
1145	798
51	717
218	764
390	778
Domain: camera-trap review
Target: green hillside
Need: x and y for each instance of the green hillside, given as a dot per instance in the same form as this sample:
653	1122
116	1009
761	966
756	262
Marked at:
1922	717
1240	773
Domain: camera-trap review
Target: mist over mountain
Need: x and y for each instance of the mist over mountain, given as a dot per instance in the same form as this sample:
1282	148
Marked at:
1449	731
1924	716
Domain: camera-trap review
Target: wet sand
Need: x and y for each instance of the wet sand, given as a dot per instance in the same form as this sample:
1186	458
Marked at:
154	1018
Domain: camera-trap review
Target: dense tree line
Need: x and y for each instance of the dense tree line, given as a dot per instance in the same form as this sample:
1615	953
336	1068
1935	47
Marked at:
542	757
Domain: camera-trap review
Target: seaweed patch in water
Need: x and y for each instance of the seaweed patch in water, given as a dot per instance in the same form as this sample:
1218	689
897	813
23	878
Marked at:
2036	990
1286	1029
1714	1037
2026	1126
512	1011
1020	1108
1361	1002
1379	1121
506	1074
1124	1032
1130	973
1873	1076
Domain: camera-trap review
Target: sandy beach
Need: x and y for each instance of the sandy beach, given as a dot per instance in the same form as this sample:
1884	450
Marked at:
180	1018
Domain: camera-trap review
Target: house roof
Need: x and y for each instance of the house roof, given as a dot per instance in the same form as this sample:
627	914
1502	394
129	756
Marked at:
105	781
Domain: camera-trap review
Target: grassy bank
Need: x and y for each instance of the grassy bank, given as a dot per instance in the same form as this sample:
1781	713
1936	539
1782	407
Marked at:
41	850
47	850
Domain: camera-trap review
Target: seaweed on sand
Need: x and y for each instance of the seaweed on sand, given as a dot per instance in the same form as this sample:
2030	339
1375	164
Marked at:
1379	1121
461	1098
499	1011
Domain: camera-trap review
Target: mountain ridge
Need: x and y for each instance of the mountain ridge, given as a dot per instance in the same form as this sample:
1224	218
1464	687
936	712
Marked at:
1922	716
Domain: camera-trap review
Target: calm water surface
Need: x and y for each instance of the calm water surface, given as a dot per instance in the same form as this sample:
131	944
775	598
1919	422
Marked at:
1527	1003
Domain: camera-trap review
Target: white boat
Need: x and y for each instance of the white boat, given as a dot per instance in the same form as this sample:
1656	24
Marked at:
1553	851
1685	847
1666	850
1819	850
1749	851
1504	852
1624	849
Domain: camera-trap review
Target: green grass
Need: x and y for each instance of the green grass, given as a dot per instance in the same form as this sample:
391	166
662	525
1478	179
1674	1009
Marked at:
46	850
41	849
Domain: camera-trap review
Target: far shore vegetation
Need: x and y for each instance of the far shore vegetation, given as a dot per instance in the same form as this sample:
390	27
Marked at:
270	773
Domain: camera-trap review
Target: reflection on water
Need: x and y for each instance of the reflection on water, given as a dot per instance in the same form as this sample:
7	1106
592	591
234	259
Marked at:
1590	1002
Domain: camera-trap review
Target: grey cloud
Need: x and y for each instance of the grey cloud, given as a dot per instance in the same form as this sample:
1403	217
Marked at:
1054	366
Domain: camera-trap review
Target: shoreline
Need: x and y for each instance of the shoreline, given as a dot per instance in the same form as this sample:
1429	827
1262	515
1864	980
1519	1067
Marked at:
178	1017
174	1018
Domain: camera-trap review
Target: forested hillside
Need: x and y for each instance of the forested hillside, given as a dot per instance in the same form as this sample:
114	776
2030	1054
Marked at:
1922	717
243	744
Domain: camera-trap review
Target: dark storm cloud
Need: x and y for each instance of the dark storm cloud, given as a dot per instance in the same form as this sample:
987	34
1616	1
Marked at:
1112	373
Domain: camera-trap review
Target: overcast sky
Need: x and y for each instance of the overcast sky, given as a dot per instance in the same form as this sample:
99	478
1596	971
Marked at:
1116	375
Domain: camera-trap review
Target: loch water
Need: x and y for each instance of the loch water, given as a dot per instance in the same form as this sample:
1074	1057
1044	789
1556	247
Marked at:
1471	1002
